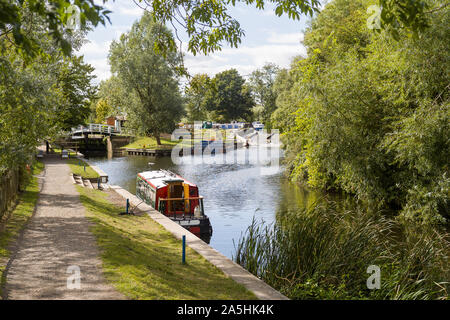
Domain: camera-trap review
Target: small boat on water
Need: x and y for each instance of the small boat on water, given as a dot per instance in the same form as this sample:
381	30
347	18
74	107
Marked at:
176	198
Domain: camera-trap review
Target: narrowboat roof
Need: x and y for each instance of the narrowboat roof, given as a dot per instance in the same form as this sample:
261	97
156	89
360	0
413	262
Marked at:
160	178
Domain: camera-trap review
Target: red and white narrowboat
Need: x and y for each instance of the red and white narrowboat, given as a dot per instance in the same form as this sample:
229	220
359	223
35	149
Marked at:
176	198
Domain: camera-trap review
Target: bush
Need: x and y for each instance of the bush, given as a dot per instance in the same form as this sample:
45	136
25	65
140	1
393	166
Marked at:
324	253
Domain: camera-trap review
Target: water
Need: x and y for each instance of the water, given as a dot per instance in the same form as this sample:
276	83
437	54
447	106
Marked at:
234	193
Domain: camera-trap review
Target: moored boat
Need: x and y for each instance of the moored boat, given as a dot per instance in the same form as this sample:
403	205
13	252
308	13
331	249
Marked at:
176	198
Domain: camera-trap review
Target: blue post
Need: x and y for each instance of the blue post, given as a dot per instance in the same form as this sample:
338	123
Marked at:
98	183
128	205
84	167
183	255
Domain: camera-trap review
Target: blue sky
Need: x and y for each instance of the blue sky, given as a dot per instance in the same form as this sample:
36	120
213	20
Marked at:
268	38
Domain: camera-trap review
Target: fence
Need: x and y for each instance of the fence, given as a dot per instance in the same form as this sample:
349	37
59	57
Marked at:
9	187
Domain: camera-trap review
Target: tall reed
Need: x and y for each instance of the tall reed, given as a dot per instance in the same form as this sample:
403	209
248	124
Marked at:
324	253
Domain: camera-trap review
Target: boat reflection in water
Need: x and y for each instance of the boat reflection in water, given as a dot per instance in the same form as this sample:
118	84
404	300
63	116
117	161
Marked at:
176	198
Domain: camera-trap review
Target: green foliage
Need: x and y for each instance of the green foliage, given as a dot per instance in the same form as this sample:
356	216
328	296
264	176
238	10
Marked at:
324	253
261	83
113	92
75	76
53	14
209	24
229	98
369	113
153	101
24	107
102	110
39	96
142	259
195	94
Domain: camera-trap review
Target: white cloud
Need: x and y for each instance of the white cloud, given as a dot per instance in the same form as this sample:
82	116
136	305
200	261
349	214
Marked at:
101	69
245	59
292	38
94	48
131	11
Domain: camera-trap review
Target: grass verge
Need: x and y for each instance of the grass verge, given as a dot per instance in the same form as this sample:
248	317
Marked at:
70	153
81	168
143	260
10	229
150	143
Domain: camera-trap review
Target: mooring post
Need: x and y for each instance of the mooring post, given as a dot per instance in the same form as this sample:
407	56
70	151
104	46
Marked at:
183	254
128	205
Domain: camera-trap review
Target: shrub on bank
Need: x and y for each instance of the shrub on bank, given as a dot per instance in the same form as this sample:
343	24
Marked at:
324	253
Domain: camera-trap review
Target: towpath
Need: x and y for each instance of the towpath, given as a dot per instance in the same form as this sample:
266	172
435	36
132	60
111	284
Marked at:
55	245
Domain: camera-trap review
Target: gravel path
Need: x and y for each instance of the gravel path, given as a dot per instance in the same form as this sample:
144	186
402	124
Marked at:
57	242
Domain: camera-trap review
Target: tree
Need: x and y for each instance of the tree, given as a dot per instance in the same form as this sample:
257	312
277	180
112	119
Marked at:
208	23
39	95
102	110
53	15
149	78
195	94
74	77
261	83
113	92
228	98
370	112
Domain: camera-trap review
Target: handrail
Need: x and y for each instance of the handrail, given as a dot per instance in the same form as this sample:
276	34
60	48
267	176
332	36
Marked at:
175	199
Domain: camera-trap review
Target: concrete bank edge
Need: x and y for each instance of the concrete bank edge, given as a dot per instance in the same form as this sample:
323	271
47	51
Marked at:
261	289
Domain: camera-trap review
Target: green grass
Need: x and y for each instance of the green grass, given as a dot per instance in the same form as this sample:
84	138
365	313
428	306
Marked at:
10	229
324	253
150	143
71	153
78	166
143	260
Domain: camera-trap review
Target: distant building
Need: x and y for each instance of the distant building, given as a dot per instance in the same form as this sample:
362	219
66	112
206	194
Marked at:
117	121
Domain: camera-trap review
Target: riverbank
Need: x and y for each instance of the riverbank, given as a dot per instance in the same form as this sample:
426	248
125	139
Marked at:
237	282
143	260
82	168
331	252
150	143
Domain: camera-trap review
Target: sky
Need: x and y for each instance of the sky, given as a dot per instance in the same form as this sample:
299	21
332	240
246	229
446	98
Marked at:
268	38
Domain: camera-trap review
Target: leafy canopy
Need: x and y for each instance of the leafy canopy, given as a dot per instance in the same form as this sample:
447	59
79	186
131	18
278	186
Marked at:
152	99
228	97
368	114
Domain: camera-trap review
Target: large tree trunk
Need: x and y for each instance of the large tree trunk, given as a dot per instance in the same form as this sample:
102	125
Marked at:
158	139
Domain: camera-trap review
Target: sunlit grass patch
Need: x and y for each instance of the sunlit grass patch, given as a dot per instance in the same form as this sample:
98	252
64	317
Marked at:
81	168
150	143
143	260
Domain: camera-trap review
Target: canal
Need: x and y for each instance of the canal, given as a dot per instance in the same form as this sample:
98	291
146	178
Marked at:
234	193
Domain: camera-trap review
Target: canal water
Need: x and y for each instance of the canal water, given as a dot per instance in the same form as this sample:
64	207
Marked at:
234	193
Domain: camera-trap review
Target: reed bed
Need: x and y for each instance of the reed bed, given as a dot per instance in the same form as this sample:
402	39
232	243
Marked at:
324	252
